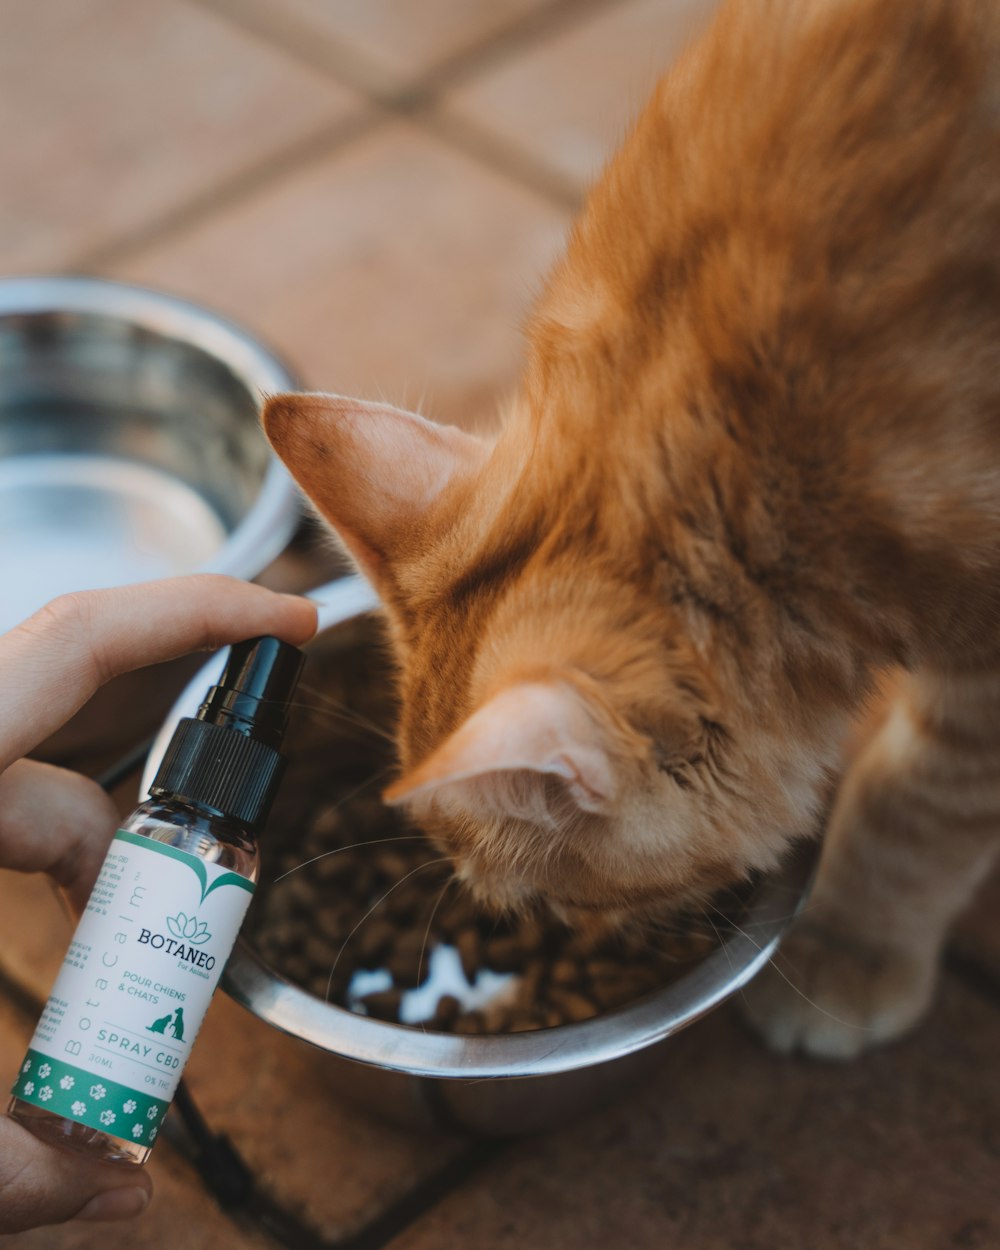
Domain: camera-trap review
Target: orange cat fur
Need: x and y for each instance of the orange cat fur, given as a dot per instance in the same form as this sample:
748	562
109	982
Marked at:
755	459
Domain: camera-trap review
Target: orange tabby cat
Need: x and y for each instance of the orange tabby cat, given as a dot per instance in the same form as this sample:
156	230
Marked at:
755	458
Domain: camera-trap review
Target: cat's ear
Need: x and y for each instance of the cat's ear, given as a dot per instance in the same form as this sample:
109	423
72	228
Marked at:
501	757
371	470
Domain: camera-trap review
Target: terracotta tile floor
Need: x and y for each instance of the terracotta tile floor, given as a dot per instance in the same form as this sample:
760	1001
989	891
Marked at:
133	111
392	266
376	187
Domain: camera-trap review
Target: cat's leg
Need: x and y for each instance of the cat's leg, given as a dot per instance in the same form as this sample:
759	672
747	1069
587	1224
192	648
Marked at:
914	829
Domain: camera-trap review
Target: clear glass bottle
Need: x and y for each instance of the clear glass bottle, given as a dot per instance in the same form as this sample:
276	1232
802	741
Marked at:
225	761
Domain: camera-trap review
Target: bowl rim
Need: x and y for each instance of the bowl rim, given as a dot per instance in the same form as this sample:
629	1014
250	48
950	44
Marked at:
415	1052
264	531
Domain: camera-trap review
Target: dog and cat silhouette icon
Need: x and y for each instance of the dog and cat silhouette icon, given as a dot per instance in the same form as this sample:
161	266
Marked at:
170	1025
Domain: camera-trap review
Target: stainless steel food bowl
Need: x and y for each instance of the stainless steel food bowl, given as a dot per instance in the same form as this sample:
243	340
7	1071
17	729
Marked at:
518	1082
129	443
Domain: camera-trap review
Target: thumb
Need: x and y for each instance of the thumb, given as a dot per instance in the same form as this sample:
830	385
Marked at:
41	1184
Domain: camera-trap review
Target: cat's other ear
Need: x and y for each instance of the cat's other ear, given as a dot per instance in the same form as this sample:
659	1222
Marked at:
371	470
501	758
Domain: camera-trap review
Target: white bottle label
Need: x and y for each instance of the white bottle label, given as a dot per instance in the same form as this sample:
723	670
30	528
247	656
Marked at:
134	987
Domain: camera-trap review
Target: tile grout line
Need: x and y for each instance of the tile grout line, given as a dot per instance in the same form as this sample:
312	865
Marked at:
489	151
383	1229
333	57
264	1214
282	1227
402	1214
416	102
419	100
382	1233
479	57
246	182
324	54
29	1006
496	154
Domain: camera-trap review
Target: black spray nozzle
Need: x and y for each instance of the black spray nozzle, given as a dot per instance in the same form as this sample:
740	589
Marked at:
227	758
255	688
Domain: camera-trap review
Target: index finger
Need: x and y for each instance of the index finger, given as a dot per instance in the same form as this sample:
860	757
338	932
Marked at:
53	662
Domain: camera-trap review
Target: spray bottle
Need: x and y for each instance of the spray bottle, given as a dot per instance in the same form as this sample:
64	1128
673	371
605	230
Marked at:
150	947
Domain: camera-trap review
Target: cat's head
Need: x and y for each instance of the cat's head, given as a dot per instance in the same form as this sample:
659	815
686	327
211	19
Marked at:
565	732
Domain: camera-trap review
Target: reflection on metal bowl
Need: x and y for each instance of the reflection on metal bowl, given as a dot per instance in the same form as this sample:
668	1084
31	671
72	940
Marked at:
129	449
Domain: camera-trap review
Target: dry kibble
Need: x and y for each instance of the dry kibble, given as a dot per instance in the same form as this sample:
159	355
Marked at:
407	960
320	951
326	824
373	941
383	1004
298	891
359	897
283	935
572	1005
394	864
612	991
295	967
363	885
454	913
629	983
401	908
331	866
469	948
446	1013
602	969
534	976
333	919
605	995
505	954
566	972
496	1019
533	933
471	1022
522	1022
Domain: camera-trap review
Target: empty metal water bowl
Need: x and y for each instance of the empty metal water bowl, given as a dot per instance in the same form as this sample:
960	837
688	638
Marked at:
130	446
499	1084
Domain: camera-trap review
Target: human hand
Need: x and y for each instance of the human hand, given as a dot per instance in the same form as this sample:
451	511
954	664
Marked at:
55	821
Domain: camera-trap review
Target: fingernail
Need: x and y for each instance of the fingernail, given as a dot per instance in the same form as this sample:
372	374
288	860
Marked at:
299	600
115	1204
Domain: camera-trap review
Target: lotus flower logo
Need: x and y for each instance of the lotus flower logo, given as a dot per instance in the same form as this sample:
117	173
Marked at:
188	928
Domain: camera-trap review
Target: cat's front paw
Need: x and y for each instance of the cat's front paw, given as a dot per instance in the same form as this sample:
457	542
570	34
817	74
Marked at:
831	997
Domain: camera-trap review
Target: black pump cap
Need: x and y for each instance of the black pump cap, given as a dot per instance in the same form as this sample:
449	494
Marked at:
227	759
254	690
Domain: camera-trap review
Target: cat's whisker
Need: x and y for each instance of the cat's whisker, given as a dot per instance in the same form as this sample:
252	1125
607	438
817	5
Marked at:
718	936
765	924
344	798
673	930
427	932
773	961
417	837
342	714
334	706
374	907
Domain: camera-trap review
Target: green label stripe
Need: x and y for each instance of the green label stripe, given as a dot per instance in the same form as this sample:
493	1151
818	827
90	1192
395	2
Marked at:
190	861
93	1100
